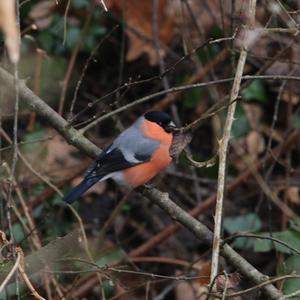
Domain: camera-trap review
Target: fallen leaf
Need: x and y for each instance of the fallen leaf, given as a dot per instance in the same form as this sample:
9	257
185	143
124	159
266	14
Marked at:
53	158
254	114
293	194
59	153
41	13
290	97
204	272
138	16
231	281
255	143
42	9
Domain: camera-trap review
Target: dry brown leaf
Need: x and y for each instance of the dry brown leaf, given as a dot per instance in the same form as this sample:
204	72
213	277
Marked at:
59	151
41	13
205	272
180	141
231	282
255	143
59	154
139	17
42	9
8	25
275	133
293	194
254	114
52	158
289	97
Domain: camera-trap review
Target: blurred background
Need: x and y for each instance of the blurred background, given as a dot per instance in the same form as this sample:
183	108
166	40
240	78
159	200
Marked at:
86	62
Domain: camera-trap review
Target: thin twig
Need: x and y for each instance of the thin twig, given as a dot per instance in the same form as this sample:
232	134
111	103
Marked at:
36	88
262	237
90	58
182	88
24	276
291	295
223	149
11	272
86	244
73	60
65	21
103	4
131	83
259	286
201	164
104	269
225	285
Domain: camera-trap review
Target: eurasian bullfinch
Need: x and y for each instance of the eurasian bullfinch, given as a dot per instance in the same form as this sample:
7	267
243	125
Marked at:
138	154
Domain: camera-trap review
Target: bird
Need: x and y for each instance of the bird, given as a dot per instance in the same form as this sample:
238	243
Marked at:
137	155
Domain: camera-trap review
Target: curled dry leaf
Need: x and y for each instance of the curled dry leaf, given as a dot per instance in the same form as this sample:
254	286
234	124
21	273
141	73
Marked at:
8	25
232	282
138	16
180	141
293	194
255	143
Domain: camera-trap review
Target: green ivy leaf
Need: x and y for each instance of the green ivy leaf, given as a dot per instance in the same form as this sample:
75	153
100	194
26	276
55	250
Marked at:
290	237
255	91
249	222
192	98
291	265
262	245
110	258
296	122
80	3
240	126
18	232
73	34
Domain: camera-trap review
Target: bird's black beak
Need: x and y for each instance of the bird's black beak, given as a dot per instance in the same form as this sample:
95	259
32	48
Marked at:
170	127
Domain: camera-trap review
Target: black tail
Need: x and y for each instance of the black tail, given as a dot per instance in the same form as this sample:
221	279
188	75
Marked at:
78	190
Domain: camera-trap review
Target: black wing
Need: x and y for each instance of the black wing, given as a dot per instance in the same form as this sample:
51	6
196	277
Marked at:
109	162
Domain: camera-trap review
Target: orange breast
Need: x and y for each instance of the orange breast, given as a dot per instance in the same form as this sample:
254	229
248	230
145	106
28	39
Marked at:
143	173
